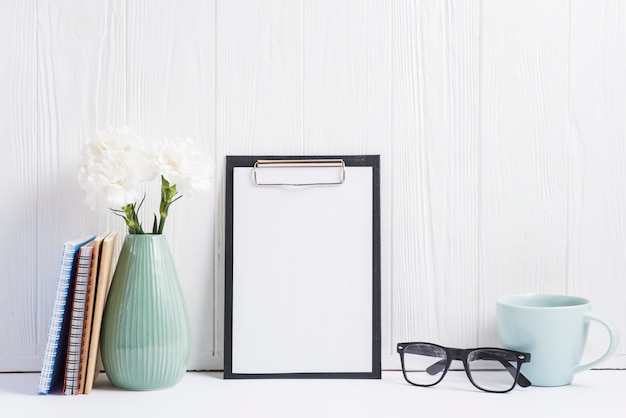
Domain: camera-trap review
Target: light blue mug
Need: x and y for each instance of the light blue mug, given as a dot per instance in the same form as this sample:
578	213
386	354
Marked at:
553	329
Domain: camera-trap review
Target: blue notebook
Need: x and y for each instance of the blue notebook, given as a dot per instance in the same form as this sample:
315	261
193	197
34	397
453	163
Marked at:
53	366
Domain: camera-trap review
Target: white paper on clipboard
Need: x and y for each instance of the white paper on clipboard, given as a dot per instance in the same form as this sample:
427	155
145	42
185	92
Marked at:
303	285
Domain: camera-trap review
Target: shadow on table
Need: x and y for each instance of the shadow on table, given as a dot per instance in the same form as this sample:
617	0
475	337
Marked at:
103	383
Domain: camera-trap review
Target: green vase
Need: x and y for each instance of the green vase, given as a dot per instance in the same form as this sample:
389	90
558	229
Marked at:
145	340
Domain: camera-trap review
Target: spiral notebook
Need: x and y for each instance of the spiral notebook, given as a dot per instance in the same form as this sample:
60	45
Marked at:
53	364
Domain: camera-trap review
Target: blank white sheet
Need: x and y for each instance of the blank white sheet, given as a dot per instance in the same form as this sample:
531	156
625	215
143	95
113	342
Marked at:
302	275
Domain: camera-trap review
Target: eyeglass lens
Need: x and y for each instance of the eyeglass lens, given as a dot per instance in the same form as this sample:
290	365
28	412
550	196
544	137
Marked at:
492	370
489	369
424	364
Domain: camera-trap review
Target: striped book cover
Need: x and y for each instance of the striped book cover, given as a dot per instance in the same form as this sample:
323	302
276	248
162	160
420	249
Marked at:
89	307
53	362
77	323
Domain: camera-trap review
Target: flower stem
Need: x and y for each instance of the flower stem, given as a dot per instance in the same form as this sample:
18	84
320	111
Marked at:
129	213
168	196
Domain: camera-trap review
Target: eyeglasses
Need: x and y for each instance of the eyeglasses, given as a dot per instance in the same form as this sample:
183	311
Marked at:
489	369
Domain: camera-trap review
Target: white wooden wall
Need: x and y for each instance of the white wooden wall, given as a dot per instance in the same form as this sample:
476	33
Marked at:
501	126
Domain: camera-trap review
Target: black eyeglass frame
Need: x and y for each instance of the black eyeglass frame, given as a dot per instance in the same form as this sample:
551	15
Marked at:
462	355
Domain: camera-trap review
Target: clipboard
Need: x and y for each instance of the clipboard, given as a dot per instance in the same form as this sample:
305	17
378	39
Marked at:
302	269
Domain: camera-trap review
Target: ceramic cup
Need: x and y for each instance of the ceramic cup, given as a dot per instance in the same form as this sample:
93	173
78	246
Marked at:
553	329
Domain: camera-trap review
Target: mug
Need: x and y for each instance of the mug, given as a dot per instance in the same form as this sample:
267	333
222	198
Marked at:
553	329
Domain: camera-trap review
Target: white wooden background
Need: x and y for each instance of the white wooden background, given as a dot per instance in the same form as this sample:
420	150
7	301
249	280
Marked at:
501	127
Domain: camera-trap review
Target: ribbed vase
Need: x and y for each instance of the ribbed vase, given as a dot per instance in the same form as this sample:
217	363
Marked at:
145	340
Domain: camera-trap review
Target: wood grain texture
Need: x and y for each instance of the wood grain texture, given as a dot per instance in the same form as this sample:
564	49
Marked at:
500	125
346	83
259	77
596	130
523	194
19	288
435	172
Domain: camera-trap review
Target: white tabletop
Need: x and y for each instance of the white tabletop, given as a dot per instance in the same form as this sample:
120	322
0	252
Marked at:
596	393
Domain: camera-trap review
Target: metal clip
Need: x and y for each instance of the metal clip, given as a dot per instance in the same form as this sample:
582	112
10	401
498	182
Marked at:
300	163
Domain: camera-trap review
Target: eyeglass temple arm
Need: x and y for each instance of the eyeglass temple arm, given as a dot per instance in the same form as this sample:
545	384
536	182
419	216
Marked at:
521	379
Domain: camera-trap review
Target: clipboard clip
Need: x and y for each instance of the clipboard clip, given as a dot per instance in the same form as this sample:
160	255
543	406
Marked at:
325	178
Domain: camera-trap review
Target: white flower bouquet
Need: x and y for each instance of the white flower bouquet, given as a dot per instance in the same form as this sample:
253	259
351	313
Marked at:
115	165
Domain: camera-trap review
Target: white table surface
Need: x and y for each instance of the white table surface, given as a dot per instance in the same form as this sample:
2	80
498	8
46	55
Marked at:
595	393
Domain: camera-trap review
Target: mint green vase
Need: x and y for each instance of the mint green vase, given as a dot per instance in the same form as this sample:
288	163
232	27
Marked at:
145	340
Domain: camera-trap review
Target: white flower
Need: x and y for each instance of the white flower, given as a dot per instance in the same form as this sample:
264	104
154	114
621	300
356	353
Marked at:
183	165
113	169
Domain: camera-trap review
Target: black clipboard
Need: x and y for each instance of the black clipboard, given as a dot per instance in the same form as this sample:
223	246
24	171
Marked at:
302	267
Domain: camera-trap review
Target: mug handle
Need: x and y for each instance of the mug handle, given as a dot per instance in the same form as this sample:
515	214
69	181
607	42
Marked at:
614	338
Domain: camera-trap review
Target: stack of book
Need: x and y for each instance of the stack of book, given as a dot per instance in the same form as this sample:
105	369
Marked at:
71	363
